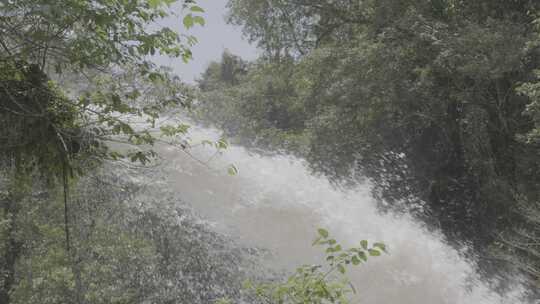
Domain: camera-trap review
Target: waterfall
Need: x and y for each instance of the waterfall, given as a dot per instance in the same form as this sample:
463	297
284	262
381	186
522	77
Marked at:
276	203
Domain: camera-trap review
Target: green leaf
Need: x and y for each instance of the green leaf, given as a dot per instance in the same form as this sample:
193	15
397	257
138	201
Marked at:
341	268
323	232
199	20
373	252
188	21
362	255
381	246
232	170
116	155
222	144
364	244
196	9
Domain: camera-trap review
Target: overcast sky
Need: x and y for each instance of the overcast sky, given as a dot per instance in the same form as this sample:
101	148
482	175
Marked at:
214	37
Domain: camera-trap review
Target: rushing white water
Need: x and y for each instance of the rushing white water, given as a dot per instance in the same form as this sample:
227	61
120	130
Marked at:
275	203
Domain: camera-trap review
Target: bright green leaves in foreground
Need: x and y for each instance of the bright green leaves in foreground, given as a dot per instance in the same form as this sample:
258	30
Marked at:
323	283
338	258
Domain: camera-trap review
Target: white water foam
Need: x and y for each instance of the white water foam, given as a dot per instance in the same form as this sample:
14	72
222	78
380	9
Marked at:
276	203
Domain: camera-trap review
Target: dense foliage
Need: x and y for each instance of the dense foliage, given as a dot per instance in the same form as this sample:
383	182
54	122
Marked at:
126	245
435	101
51	135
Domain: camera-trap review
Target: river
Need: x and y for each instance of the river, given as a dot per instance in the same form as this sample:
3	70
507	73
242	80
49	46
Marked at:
274	202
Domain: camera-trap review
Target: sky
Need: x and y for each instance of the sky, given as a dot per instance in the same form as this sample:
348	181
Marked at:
213	39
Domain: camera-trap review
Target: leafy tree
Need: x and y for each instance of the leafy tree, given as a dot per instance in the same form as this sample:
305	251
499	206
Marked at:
523	240
102	38
433	101
54	135
259	109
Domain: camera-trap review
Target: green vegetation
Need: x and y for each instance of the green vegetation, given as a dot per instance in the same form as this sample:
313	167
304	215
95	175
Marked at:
79	100
435	102
126	246
318	284
63	238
